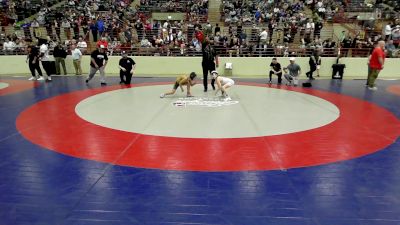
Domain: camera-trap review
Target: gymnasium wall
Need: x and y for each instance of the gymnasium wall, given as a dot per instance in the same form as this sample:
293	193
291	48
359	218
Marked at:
242	67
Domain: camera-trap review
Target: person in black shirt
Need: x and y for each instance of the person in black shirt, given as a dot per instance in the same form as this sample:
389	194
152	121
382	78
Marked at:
315	60
98	62
208	63
217	29
275	69
60	54
317	30
126	65
33	60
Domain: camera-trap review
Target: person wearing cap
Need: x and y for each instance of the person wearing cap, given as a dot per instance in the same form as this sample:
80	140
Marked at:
76	59
292	72
98	62
276	69
223	83
126	66
180	82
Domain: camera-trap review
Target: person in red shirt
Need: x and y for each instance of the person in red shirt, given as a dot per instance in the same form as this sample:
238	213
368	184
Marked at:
376	64
103	41
199	35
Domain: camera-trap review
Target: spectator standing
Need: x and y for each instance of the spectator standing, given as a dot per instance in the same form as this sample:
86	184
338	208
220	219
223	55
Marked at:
199	35
100	26
376	63
66	25
318	28
94	30
368	61
36	28
59	55
76	59
217	29
263	38
57	28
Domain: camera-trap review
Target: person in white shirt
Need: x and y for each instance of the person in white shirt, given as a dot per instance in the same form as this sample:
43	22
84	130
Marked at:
264	38
388	30
82	45
76	58
223	83
9	46
166	24
310	26
45	58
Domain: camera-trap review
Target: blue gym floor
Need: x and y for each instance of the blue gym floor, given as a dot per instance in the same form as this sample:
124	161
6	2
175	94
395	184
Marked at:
42	187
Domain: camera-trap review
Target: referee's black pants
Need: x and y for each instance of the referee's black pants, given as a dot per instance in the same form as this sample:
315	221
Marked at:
47	67
125	77
33	67
207	68
313	67
278	74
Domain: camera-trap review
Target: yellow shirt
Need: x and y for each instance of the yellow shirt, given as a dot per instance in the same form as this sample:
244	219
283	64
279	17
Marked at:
182	80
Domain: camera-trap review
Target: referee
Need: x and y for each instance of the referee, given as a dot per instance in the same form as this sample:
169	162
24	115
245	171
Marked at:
209	63
126	65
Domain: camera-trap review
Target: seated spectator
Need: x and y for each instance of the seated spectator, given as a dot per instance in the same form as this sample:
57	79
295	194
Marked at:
196	44
391	49
329	43
102	41
145	43
20	45
115	45
396	36
9	46
388	30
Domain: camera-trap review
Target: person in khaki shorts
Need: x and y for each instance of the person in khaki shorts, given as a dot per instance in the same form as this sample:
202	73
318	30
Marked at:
76	59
